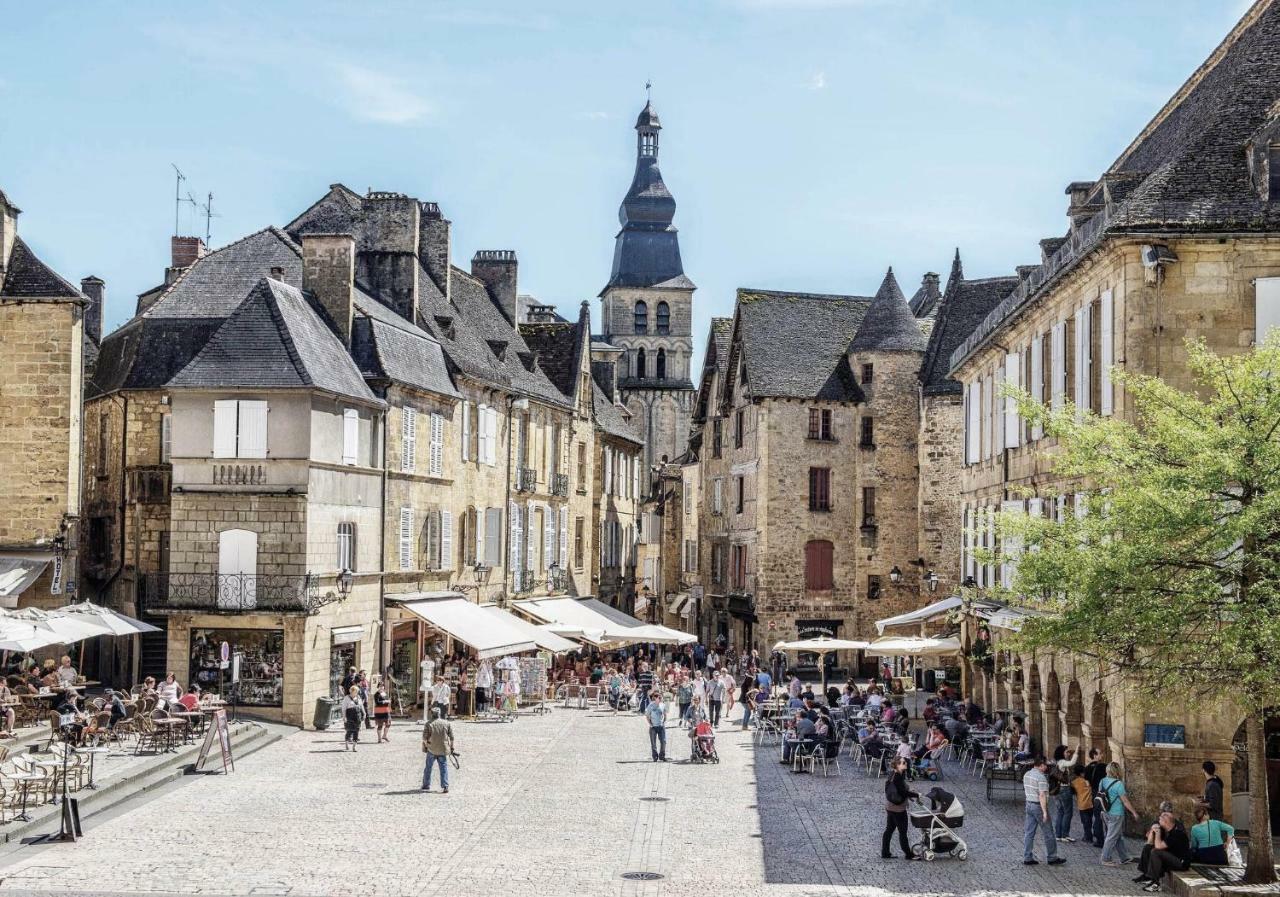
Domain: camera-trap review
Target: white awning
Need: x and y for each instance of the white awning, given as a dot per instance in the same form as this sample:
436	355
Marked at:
913	646
921	615
549	640
16	576
469	624
346	635
592	616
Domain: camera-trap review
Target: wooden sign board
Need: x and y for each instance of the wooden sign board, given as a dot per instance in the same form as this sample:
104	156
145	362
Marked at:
217	730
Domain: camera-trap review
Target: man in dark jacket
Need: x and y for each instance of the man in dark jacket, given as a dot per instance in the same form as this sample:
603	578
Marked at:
1212	790
1168	849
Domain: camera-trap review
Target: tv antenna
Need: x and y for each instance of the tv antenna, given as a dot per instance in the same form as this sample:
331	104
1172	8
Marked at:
206	209
178	200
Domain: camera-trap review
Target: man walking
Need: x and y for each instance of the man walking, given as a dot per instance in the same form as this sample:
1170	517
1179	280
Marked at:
644	684
1035	785
656	712
1212	790
437	744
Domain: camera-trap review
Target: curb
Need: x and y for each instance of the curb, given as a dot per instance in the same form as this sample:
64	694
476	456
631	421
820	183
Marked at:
250	738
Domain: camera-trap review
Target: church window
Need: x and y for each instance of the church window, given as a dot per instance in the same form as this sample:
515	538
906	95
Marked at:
661	367
664	318
640	374
642	317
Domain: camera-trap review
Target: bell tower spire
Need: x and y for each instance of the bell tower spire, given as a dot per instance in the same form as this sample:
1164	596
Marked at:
647	128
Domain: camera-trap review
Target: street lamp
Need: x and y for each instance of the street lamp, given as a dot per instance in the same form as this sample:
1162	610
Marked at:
345	580
931	578
895	575
645	593
969	583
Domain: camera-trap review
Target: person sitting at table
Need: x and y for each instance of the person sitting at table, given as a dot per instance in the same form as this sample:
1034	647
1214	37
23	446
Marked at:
832	696
904	751
7	698
69	709
67	674
148	689
169	691
191	700
802	733
888	714
936	739
1022	750
930	712
49	675
873	745
957	729
116	706
875	701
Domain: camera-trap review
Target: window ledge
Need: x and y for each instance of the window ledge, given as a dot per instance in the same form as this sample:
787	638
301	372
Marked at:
829	439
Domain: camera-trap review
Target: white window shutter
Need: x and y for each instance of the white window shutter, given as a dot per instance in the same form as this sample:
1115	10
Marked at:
253	429
493	537
635	476
1037	379
406	538
966	544
466	430
1082	358
490	421
437	445
997	409
970	423
1080	501
350	435
1012	422
408	439
1058	365
531	538
1266	307
1010	548
224	428
548	536
988	416
446	540
166	438
564	538
517	533
1107	332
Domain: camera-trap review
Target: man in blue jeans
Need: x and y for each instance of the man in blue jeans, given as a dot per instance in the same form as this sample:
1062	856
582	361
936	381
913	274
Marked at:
656	712
1035	785
437	744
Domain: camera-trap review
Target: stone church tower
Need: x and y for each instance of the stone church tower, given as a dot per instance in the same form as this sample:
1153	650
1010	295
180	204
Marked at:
648	305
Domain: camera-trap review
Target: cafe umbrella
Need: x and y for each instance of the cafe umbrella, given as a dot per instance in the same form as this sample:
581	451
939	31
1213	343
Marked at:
821	646
116	622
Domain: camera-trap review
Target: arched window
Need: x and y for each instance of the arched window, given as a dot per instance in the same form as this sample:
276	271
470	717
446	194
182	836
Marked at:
817	565
661	372
664	318
642	317
640	374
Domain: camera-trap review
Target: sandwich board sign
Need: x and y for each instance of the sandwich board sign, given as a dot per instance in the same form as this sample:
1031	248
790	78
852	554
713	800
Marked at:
217	730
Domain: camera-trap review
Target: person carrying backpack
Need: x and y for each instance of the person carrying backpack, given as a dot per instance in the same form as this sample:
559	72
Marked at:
1094	773
1213	790
1113	798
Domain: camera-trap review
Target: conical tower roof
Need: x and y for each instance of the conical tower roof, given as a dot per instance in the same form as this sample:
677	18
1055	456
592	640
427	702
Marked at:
889	325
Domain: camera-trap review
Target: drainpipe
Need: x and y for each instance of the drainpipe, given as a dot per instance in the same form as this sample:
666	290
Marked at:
385	635
508	575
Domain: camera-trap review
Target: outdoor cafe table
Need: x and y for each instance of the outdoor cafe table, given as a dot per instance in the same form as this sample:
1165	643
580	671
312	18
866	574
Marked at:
93	753
193	717
24	779
169	726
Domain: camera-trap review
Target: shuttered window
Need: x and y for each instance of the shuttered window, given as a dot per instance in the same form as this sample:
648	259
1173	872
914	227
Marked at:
1058	364
1012	422
406	538
436	462
817	565
446	540
517	534
166	438
408	439
1082	360
239	428
819	489
548	537
493	537
350	435
1037	379
1107	340
466	431
564	537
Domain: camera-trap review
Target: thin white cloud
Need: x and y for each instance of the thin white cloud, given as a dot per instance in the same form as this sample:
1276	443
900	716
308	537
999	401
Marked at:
379	97
594	116
818	81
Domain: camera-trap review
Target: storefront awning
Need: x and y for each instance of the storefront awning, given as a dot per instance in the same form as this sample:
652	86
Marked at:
346	635
471	625
921	615
16	576
913	646
541	637
593	616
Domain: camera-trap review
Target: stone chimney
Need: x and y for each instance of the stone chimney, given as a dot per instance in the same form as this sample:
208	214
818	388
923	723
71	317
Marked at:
537	313
184	251
1077	208
434	246
497	268
388	261
328	273
94	288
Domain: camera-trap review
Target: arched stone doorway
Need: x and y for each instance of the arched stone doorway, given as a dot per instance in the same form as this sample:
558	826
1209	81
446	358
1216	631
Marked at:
1052	712
1099	723
1074	716
1035	709
1016	687
1242	777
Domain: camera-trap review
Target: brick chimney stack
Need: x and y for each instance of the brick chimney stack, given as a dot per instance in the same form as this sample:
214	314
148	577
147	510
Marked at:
328	273
498	269
95	288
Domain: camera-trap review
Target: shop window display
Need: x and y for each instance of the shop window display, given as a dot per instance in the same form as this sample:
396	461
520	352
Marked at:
261	665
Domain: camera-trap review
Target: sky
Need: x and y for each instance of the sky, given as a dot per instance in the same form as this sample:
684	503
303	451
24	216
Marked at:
810	144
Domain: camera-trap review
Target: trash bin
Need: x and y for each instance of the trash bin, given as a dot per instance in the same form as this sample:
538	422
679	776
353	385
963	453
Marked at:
324	712
930	680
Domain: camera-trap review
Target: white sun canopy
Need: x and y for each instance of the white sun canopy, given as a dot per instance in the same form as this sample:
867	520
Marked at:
821	645
543	639
594	617
913	646
920	615
470	624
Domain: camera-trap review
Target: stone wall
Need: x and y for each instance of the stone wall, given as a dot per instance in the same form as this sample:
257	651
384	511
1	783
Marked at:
941	460
279	520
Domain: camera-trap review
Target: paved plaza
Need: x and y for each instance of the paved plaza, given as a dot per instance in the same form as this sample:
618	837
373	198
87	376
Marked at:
560	804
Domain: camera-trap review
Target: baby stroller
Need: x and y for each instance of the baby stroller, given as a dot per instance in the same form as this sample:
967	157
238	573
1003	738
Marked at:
938	826
704	744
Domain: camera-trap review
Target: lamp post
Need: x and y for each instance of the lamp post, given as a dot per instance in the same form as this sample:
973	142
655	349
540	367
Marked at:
345	580
895	575
649	609
931	579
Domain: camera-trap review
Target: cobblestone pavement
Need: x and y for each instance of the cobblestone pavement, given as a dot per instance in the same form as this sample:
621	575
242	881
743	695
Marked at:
544	806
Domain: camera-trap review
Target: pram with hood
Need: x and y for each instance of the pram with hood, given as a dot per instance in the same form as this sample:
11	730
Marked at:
704	744
938	824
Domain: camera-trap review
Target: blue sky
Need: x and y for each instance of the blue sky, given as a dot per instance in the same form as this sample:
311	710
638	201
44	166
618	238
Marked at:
809	143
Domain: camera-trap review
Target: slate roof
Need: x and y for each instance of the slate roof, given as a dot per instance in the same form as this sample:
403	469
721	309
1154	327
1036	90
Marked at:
217	283
559	349
889	325
795	345
963	307
925	301
721	336
715	359
612	419
385	351
29	278
1187	171
274	339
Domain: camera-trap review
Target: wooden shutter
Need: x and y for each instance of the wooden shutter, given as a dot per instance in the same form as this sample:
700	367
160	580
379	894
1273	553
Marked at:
436	462
564	537
531	538
224	428
1058	364
350	435
1037	379
252	429
166	438
493	537
406	538
516	543
465	410
491	436
1012	422
548	536
408	439
446	540
1107	336
1081	379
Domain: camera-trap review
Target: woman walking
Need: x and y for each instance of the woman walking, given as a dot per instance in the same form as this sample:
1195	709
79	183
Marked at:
747	697
382	710
1114	798
896	794
352	717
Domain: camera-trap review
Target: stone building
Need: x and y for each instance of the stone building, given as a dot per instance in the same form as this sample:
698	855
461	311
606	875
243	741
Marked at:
647	306
1178	238
48	329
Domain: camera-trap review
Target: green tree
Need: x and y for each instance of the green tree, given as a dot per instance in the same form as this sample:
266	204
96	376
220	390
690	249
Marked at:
1172	577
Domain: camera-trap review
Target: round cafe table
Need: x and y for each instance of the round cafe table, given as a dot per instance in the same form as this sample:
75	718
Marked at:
24	779
93	753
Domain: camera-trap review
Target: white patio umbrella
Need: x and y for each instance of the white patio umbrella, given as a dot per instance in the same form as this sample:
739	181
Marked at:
69	628
118	623
821	646
914	646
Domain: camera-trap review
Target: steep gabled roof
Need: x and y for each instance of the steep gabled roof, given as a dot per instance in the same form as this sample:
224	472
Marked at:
559	350
795	345
274	340
217	283
612	419
925	301
383	351
963	307
889	325
29	278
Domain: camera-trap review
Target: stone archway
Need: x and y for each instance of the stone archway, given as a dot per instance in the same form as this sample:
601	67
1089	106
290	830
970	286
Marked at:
1099	723
1074	714
1035	708
1017	686
1242	777
1052	711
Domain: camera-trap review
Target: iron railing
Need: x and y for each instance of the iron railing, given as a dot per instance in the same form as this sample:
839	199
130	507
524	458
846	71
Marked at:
239	474
526	479
560	485
235	593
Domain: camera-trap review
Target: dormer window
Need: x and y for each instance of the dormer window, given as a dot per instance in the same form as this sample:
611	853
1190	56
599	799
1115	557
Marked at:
499	348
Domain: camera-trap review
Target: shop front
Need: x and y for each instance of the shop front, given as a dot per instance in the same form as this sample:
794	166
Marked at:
261	660
807	663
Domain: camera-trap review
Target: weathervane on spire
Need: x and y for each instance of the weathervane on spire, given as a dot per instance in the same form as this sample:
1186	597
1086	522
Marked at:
647	85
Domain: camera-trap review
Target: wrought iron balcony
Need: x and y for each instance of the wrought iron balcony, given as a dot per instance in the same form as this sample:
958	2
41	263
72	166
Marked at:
560	485
526	479
557	580
234	593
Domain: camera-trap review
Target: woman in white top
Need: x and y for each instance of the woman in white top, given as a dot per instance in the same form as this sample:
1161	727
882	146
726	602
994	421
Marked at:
169	690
